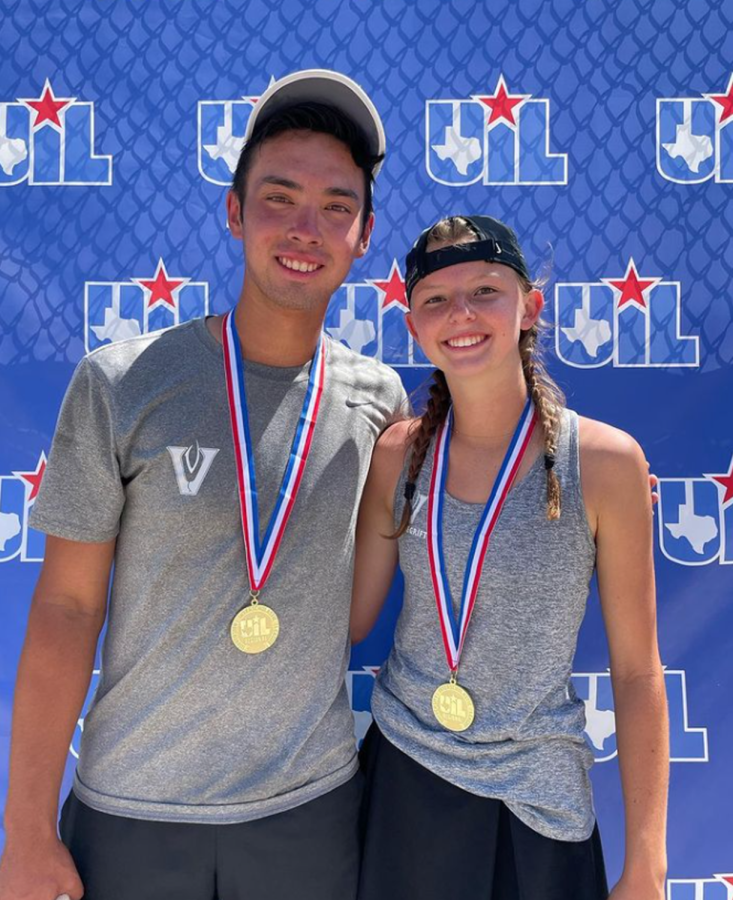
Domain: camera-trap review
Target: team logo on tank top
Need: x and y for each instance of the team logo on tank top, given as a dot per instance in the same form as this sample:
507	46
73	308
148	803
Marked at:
417	508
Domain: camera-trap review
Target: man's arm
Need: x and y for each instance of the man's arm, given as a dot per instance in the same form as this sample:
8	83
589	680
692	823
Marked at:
66	617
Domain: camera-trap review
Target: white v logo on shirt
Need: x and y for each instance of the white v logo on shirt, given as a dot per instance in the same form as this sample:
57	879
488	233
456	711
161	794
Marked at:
191	465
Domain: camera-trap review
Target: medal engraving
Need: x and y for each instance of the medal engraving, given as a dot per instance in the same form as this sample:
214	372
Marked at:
255	628
453	707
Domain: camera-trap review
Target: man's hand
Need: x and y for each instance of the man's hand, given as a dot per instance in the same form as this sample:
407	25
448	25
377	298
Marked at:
39	871
653	482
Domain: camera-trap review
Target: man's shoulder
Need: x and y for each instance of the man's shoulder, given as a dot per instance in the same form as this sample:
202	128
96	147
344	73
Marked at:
156	349
363	373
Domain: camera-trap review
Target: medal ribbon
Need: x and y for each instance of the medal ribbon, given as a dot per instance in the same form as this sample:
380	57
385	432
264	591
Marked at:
454	633
261	556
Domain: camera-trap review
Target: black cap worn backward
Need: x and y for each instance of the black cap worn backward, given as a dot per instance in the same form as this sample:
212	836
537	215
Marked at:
496	242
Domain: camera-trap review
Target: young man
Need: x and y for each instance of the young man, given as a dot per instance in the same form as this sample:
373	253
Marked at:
218	759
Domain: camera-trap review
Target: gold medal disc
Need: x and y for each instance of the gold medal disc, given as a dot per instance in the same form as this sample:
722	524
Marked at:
453	707
255	628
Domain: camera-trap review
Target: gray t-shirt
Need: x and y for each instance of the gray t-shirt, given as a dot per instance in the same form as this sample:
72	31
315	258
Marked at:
185	727
526	745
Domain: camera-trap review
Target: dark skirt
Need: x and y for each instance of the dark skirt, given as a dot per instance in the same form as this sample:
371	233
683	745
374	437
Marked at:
426	839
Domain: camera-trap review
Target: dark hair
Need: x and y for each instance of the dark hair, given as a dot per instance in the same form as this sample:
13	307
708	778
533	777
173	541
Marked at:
319	118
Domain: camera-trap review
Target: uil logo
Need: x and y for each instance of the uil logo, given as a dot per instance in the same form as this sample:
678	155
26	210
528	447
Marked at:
695	137
359	685
594	689
369	317
696	519
18	492
719	887
50	140
115	310
221	127
498	138
630	321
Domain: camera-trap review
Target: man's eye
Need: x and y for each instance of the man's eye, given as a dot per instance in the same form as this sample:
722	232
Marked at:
434	300
278	198
339	207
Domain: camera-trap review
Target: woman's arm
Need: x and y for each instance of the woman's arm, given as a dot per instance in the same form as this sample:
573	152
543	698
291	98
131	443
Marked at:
616	490
376	553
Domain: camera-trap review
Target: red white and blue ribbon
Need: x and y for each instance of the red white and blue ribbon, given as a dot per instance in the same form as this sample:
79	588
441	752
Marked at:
261	554
454	633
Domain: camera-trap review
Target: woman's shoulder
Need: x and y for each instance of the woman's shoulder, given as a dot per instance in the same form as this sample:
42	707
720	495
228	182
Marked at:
609	457
390	453
396	438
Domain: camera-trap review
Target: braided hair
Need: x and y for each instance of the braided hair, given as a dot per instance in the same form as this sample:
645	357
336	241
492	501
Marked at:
546	395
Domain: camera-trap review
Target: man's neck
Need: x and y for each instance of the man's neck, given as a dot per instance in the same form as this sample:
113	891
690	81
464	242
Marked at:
273	336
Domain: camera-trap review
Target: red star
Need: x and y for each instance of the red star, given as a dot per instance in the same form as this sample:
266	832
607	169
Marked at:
34	479
393	289
161	287
725	101
631	286
47	107
727	482
501	102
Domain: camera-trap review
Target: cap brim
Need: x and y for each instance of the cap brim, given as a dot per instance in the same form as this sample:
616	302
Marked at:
322	86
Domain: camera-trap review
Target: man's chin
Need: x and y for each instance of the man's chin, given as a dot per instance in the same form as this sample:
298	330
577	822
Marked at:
300	300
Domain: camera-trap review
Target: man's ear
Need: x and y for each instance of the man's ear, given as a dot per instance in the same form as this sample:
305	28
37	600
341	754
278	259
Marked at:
366	236
534	303
234	215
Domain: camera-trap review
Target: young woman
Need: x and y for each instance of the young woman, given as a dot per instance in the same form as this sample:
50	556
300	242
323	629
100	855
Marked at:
504	503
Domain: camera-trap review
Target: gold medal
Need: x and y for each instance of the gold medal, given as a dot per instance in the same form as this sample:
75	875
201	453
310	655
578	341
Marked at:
453	706
255	628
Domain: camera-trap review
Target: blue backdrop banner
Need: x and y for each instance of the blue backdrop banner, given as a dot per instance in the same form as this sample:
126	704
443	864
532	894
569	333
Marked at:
603	133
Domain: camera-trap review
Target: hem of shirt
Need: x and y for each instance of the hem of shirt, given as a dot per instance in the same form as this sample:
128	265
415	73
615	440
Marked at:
212	814
70	533
515	807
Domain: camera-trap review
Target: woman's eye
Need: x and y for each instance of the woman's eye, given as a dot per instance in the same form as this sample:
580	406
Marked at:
434	300
485	290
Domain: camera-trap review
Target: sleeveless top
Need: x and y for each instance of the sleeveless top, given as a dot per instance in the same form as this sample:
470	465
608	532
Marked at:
526	745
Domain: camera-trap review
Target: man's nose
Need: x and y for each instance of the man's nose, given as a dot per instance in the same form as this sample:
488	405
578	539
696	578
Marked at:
304	227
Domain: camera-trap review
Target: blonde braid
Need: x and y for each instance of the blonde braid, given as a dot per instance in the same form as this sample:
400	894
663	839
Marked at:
424	428
549	402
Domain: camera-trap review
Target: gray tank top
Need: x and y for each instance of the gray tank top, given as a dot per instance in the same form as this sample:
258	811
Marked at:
526	745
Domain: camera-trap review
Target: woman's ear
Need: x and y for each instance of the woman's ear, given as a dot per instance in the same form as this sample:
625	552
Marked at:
411	326
534	303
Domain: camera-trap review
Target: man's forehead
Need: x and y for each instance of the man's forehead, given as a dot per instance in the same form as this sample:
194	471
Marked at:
307	159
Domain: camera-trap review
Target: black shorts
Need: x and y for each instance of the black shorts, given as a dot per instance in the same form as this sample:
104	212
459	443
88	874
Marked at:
307	853
426	839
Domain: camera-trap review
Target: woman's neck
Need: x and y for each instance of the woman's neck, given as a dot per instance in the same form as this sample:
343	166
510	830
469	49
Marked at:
486	415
